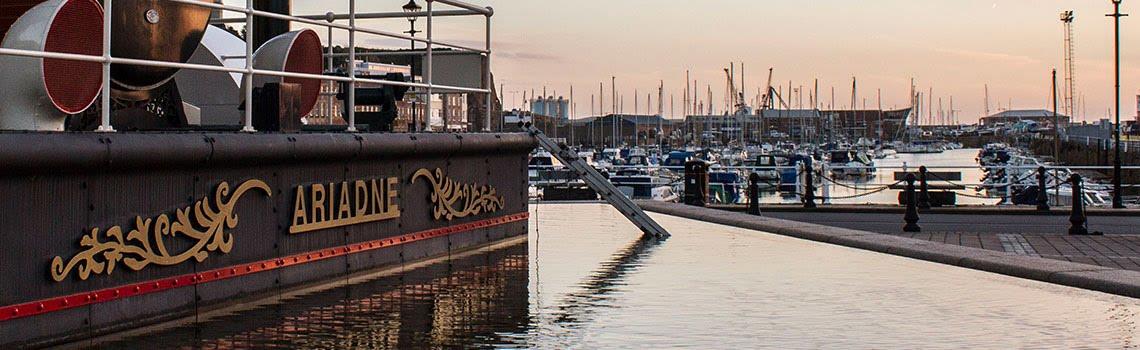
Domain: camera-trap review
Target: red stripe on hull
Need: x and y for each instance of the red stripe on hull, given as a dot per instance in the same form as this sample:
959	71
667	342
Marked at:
44	306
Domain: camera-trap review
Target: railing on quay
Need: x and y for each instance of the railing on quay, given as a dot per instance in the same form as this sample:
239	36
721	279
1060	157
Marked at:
328	21
827	178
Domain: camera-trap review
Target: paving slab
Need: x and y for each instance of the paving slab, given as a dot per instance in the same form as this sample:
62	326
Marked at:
1109	264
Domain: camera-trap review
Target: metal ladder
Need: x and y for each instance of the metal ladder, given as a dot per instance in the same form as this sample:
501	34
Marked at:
599	184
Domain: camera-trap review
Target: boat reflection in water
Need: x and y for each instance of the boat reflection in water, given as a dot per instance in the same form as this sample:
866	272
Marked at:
454	303
584	280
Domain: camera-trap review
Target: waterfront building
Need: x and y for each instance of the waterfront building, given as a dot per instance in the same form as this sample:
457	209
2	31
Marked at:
1010	117
798	125
630	129
453	112
722	129
1098	131
884	125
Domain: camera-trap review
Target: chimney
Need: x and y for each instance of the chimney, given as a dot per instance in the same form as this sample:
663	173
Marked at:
268	28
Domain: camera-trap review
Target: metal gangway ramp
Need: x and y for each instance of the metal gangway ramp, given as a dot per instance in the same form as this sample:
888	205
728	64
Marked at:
599	184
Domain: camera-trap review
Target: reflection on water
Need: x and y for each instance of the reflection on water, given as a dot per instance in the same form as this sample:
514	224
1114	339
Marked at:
586	281
866	190
596	290
465	301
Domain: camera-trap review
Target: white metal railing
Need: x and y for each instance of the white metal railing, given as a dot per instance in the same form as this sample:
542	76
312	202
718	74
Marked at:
879	179
249	72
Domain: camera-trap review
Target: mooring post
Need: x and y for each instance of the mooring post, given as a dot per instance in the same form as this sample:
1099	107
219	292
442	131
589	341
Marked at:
924	192
911	216
1042	192
824	189
696	183
1008	185
754	194
1077	218
809	186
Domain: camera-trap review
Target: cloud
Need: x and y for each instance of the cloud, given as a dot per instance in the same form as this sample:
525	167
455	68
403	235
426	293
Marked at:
990	56
526	56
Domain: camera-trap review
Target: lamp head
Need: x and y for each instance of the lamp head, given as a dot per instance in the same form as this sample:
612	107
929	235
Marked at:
411	7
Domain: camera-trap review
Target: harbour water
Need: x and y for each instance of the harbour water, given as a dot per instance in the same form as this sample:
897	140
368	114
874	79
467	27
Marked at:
584	279
866	190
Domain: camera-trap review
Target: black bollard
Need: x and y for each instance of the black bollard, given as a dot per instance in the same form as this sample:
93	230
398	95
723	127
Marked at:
1077	218
754	194
924	192
911	216
696	183
1042	192
809	187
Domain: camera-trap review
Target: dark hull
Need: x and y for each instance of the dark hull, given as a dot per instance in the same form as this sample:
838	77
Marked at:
58	188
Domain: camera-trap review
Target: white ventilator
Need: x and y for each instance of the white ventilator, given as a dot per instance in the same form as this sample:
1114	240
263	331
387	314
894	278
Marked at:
39	93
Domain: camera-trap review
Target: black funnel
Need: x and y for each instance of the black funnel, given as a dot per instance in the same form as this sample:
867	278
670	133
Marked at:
269	28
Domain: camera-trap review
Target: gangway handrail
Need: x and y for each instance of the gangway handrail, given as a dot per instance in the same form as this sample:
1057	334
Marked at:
599	184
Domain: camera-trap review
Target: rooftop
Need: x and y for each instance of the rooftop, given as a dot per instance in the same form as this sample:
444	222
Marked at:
1025	113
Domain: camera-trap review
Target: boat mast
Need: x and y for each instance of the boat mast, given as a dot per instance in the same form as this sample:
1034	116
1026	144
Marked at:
854	100
987	87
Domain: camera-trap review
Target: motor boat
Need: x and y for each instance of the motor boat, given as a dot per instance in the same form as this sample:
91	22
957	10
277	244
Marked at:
845	163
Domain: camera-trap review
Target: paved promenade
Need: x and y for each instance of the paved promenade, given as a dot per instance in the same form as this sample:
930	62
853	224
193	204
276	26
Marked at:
1116	251
1104	263
1016	231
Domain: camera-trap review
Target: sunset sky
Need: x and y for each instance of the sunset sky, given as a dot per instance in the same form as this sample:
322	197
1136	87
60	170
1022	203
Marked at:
954	46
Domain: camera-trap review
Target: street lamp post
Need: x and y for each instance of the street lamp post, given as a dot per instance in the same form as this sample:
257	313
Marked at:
410	8
1117	192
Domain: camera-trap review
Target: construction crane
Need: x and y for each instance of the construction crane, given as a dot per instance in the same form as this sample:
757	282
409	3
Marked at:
770	95
1069	89
766	101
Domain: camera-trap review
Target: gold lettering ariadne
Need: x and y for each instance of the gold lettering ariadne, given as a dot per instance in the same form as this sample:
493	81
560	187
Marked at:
455	200
204	224
324	206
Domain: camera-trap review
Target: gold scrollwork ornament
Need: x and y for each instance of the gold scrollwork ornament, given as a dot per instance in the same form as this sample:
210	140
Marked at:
455	200
146	244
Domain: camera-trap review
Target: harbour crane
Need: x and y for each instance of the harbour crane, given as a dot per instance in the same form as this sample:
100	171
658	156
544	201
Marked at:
1069	90
771	95
766	101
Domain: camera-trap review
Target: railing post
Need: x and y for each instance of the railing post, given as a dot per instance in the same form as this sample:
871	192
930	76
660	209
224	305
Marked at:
1057	188
247	77
351	112
824	187
754	194
809	186
330	17
924	192
1009	177
105	114
1042	192
911	216
429	66
489	85
798	186
1077	217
